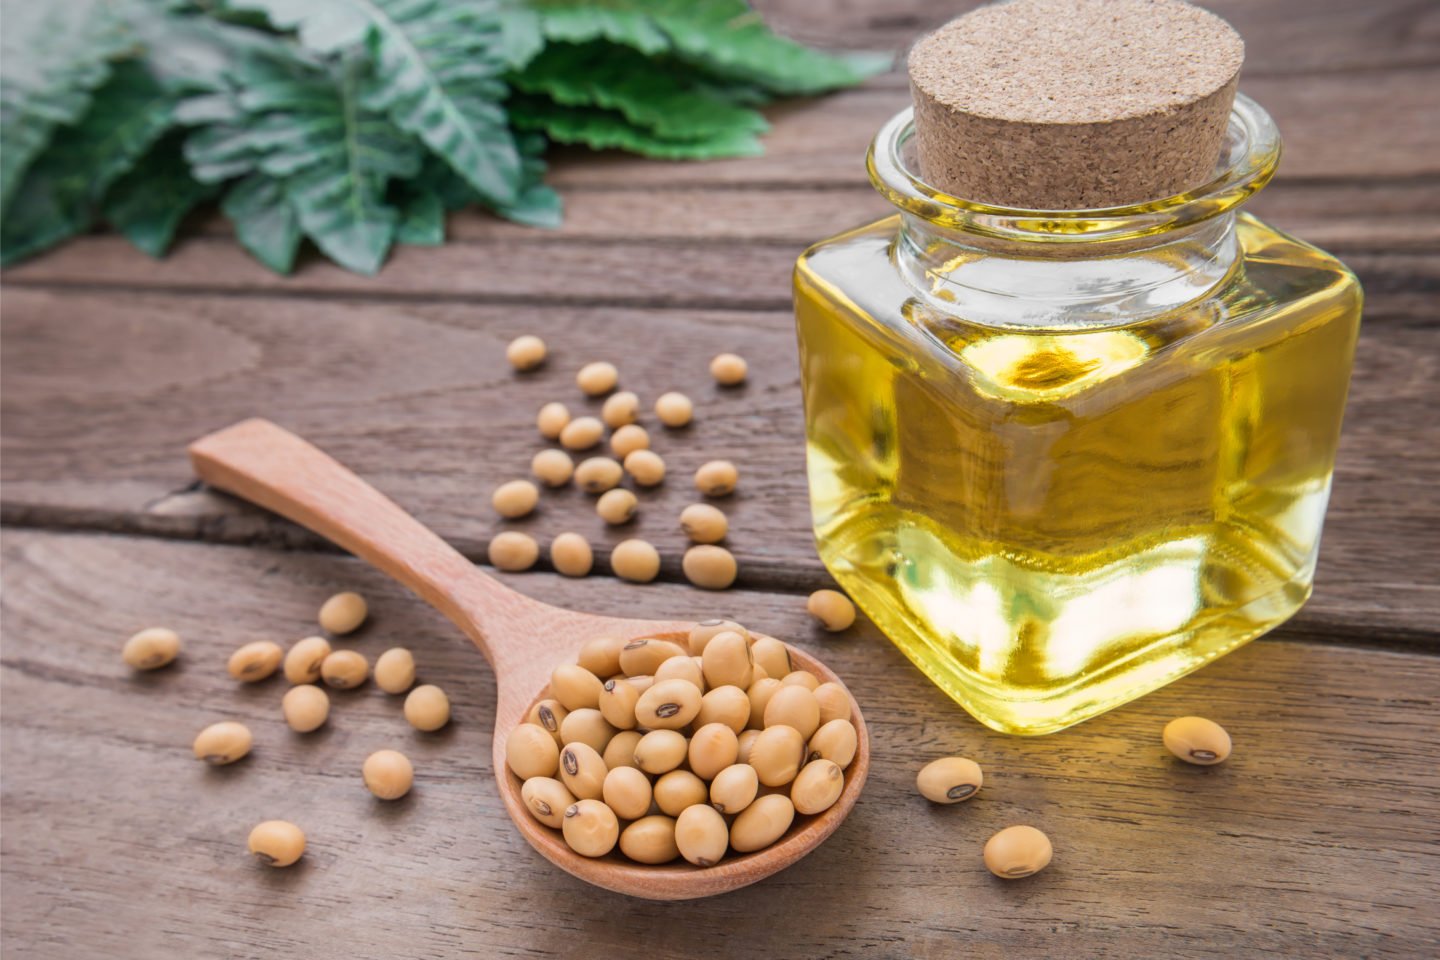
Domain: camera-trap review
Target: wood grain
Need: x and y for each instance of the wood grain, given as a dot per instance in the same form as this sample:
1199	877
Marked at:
102	396
1316	839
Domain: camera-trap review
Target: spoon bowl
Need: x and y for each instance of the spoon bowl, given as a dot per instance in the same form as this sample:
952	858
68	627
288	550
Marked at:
523	639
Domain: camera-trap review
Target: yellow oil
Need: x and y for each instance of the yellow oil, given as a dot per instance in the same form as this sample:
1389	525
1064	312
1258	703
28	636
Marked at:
1051	522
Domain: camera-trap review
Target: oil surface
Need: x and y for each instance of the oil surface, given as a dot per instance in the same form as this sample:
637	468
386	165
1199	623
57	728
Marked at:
1050	522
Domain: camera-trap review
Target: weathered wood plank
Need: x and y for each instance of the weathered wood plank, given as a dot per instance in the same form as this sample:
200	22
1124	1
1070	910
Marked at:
1315	839
101	396
1281	36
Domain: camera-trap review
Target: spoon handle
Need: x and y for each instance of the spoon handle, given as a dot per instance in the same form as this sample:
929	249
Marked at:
270	466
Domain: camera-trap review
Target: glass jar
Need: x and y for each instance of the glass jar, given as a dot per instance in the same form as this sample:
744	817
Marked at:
1062	458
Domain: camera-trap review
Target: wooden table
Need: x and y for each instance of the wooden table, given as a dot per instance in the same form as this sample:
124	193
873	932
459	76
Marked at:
1317	839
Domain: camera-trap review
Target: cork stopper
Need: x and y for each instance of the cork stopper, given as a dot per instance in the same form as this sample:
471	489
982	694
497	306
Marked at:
1073	104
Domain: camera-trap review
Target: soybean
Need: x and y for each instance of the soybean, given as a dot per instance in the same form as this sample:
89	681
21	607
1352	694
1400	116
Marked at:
597	379
427	708
395	670
513	551
222	743
835	741
801	678
677	790
949	780
582	433
701	835
549	714
616	506
598	474
525	352
306	707
530	751
552	419
660	751
793	706
674	409
620	409
627	791
553	467
1017	852
277	843
617	705
817	786
706	630
601	656
650	840
759	696
629	439
255	661
646	467
151	649
777	755
717	478
582	770
762	823
303	660
834	702
546	798
727	660
668	705
773	655
709	567
713	747
682	668
746	740
343	613
635	560
734	788
590	828
344	669
571	556
515	499
729	369
831	609
1197	740
588	726
620	751
388	774
703	523
728	705
574	686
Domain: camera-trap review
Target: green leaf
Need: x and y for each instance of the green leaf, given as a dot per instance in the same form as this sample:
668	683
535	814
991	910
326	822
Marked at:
422	219
148	204
438	72
538	205
653	94
264	222
604	129
61	192
724	37
50	62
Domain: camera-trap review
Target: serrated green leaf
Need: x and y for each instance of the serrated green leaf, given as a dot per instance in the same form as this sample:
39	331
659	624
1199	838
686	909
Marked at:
61	193
148	204
605	129
575	21
724	37
660	96
265	223
438	68
51	60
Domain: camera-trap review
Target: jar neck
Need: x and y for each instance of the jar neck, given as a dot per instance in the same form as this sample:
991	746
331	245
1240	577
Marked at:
1071	268
1079	285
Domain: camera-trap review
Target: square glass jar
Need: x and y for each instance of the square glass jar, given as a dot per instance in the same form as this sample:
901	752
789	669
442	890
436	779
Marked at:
1062	458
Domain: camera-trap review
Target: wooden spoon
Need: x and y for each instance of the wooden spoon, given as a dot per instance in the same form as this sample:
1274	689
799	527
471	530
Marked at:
522	638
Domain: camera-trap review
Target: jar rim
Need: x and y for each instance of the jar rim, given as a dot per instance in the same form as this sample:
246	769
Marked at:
1249	158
